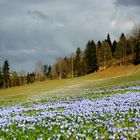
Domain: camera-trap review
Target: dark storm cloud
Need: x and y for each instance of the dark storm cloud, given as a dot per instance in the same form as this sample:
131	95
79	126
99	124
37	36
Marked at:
128	2
38	14
32	30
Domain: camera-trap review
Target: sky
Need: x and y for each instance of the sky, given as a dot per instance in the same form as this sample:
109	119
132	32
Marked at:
44	30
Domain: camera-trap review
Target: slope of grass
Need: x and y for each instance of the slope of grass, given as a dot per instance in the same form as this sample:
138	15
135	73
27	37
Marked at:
115	76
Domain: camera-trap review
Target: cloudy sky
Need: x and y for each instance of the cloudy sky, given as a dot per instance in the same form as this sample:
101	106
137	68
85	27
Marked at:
33	30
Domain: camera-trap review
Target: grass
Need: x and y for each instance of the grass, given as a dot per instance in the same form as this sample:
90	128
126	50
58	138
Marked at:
116	76
77	108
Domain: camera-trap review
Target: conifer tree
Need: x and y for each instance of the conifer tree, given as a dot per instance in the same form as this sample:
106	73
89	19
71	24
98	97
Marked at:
90	57
114	47
99	44
6	74
108	40
77	67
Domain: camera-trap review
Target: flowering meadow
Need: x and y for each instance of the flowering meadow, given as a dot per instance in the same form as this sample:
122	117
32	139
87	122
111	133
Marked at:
105	114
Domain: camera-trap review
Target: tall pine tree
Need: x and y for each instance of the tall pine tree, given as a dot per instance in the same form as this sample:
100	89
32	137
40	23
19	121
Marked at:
77	67
108	40
114	47
90	57
6	74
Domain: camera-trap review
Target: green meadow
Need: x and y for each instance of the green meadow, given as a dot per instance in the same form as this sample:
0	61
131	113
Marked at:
110	78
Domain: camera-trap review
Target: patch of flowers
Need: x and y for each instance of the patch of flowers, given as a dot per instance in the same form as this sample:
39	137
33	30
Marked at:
110	117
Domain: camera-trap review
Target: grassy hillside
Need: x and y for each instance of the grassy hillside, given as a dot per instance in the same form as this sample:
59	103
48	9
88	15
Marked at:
114	76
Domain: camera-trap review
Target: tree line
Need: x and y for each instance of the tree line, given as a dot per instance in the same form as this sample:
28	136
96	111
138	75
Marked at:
11	79
99	56
95	56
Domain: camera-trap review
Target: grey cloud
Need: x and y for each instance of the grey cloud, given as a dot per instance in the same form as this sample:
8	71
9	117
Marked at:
38	14
32	30
128	2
